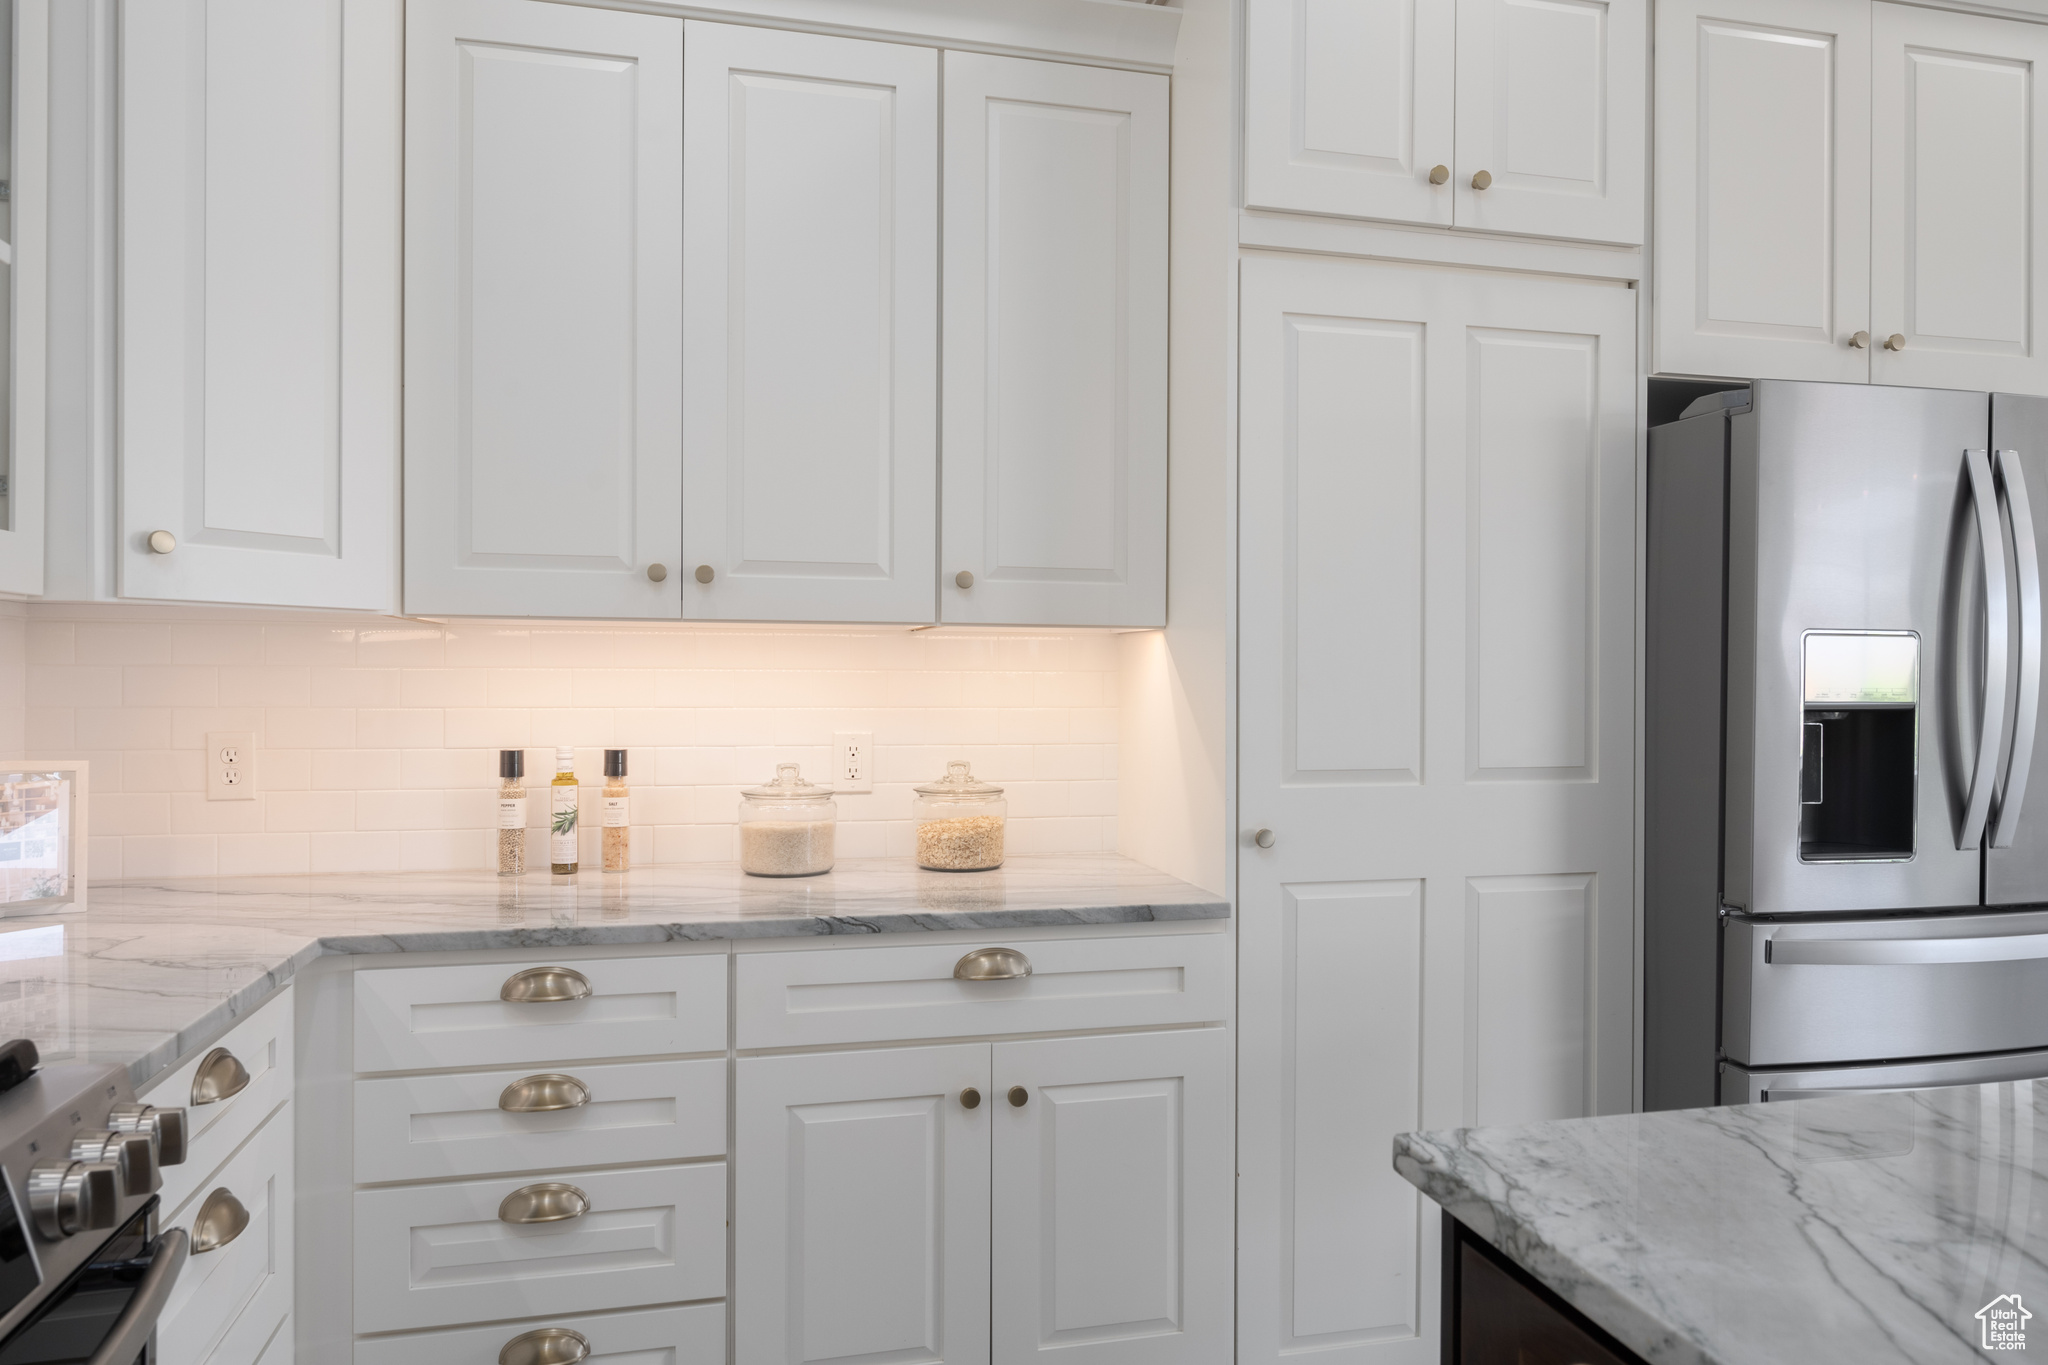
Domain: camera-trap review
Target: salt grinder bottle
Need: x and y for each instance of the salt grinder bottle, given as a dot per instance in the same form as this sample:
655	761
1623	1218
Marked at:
562	812
511	812
618	836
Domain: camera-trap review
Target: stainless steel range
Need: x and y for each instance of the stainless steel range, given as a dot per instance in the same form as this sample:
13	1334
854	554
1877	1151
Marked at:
1846	770
83	1271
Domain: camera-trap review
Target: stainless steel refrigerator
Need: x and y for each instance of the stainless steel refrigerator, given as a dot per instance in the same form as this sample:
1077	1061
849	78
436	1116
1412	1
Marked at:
1845	824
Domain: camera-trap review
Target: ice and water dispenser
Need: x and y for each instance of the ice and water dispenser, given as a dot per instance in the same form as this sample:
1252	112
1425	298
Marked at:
1858	746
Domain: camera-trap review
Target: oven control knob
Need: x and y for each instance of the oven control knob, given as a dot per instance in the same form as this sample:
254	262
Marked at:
165	1129
65	1197
132	1154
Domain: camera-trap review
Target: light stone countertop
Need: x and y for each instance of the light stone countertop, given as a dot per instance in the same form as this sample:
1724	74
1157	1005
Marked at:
1867	1229
154	970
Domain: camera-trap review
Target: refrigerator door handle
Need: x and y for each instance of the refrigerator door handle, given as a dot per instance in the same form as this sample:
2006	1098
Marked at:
2012	481
1991	727
1903	952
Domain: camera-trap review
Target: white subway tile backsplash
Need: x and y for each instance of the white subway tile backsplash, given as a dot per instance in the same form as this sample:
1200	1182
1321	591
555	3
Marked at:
377	738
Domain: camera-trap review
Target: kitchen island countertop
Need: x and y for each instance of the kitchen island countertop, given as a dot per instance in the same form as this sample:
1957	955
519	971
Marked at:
153	970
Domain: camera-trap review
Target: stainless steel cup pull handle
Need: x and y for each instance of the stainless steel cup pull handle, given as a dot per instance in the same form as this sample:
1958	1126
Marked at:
546	1346
992	964
221	1220
544	1094
551	1201
545	985
221	1076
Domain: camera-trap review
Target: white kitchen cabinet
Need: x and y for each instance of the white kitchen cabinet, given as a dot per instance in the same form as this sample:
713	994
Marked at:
1390	108
1959	187
1437	474
861	1207
1055	344
692	1335
810	327
1763	188
543	318
214	1128
1111	1208
24	299
230	1301
259	301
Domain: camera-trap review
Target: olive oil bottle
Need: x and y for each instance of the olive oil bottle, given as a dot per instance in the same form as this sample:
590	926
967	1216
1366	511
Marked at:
562	811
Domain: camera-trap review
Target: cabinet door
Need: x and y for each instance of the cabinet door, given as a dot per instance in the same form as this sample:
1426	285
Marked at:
1959	185
1763	188
543	419
810	330
1438	505
259	301
228	1301
1551	106
1055	364
1348	106
24	303
860	1209
1113	1195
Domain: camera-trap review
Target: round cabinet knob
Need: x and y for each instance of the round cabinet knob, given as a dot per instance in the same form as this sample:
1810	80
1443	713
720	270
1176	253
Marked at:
705	573
963	579
221	1220
1019	1096
1482	180
548	1202
1895	342
970	1098
1439	175
544	1094
657	573
1859	341
546	1346
221	1076
1263	838
162	542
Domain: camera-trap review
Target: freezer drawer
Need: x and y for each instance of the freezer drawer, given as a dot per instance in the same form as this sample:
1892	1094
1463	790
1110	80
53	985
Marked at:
1740	1085
1808	993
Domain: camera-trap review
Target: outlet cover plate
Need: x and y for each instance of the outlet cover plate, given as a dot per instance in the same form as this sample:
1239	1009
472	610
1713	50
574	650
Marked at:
853	758
230	765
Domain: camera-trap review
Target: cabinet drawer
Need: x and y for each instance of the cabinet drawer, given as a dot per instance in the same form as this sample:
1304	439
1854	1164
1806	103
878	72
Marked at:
429	1127
669	1336
262	1043
228	1301
413	1018
438	1253
860	995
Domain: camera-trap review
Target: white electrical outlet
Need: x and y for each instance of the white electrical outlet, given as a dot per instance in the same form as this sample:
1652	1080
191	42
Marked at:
852	753
231	765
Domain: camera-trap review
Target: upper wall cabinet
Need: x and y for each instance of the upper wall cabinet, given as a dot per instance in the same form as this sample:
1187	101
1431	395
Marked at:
259	248
1055	344
543	317
810	326
1516	116
24	245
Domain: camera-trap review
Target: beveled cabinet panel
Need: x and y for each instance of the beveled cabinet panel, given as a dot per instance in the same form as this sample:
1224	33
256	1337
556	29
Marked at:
1958	141
259	301
1531	943
543	310
810	326
1055	344
1763	189
1348	106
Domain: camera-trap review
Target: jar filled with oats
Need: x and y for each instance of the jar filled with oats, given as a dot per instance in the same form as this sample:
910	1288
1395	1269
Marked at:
959	822
787	826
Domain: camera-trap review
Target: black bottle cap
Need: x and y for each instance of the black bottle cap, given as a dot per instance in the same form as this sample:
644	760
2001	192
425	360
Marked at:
511	762
614	762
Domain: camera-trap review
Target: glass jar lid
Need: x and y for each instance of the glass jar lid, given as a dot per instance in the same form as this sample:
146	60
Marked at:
958	781
788	785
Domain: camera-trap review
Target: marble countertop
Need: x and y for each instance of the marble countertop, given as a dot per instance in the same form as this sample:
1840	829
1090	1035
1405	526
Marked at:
1868	1228
153	970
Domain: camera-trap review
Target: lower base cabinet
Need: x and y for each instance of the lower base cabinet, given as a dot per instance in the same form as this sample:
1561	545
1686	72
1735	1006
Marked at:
986	1202
693	1335
232	1295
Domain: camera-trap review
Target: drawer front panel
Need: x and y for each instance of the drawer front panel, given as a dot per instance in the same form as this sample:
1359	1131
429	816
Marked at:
651	1336
861	995
434	1254
432	1127
227	1300
415	1018
262	1043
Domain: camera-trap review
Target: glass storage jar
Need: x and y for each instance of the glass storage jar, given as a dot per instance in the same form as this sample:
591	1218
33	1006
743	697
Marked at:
787	826
959	822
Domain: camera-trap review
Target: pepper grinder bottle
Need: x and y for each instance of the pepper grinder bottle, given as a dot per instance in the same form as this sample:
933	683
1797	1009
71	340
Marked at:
618	835
562	812
511	812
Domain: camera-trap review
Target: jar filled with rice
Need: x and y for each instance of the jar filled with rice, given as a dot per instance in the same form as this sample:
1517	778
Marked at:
787	826
959	822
